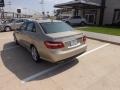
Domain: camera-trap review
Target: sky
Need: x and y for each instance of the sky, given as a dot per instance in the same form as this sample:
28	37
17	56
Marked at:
32	6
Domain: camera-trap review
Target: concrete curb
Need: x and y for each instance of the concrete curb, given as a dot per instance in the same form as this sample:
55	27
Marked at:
103	37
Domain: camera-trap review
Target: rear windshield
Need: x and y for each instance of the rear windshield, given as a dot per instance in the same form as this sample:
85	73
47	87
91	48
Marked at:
55	27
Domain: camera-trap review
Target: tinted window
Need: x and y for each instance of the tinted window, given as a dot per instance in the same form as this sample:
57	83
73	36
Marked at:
24	20
23	27
54	27
9	21
76	17
31	27
19	21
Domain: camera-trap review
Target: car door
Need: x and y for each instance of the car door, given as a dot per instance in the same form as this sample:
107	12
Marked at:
20	34
72	20
76	20
18	23
29	34
12	24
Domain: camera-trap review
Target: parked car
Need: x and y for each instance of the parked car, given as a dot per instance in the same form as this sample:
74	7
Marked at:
50	40
1	25
11	24
117	23
76	20
1	21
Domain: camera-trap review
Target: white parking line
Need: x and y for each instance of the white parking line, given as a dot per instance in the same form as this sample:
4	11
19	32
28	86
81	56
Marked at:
93	50
57	66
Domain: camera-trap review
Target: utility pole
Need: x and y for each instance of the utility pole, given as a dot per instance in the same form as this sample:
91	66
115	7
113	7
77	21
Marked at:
9	3
2	12
42	6
2	4
25	11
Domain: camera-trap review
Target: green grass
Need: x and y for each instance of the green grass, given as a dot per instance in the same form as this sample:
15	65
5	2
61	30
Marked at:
104	30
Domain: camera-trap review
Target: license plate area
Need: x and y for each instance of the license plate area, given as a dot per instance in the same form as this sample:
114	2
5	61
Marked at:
73	43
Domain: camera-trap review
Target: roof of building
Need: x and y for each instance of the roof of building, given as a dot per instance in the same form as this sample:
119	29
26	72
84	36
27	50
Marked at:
77	2
44	20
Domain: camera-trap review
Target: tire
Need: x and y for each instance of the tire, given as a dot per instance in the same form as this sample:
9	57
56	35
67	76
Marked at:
82	23
7	29
35	54
68	23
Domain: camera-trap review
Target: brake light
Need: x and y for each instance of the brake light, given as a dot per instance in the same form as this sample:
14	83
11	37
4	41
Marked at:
53	45
84	39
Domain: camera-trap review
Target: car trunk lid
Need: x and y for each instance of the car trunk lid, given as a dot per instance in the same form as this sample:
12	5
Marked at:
71	39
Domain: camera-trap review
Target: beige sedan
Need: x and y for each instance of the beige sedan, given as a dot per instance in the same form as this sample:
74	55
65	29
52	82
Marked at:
50	40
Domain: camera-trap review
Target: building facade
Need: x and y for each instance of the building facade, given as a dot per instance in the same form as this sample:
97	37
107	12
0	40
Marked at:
98	12
112	12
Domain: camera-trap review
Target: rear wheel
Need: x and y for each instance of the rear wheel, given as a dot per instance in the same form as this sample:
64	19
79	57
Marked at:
34	54
7	29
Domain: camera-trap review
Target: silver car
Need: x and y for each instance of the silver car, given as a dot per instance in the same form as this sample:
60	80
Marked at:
76	20
11	24
50	40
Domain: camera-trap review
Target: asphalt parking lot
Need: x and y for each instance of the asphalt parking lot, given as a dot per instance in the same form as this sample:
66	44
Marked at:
97	69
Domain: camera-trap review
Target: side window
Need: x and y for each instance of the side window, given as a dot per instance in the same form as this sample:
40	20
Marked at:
72	17
31	27
79	17
76	17
19	21
23	27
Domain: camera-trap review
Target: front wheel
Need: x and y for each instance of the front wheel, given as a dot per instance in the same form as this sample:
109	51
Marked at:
7	29
34	54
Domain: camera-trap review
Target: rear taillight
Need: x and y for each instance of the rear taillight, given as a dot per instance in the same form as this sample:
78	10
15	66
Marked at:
84	39
53	45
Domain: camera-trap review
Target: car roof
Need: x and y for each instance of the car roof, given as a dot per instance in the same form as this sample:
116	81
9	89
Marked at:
44	21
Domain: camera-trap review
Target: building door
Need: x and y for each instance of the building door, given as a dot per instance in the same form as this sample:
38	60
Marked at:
90	18
116	18
90	15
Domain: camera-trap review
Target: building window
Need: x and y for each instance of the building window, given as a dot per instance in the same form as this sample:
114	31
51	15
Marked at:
116	18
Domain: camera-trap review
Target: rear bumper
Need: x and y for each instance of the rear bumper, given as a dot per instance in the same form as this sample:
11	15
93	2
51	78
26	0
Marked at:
63	55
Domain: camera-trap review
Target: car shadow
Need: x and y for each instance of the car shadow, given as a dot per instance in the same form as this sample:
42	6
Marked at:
19	61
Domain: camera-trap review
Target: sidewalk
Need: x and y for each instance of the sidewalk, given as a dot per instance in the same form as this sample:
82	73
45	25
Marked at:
103	37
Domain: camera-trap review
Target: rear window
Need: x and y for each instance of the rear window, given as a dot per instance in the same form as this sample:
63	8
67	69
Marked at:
55	27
